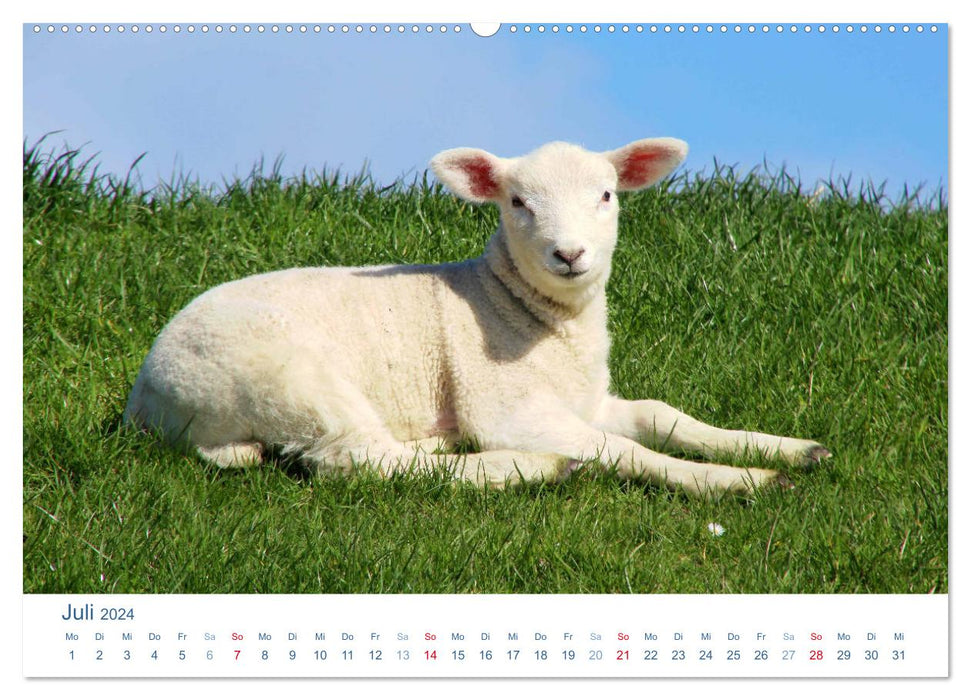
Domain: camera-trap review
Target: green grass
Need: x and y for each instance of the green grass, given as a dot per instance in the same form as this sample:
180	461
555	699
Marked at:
735	296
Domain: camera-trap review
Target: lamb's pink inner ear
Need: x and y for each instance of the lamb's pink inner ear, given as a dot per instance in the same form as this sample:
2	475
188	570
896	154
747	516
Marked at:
643	163
642	167
482	177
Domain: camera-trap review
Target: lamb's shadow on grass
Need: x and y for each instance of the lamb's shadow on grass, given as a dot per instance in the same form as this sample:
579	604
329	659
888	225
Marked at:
293	466
111	426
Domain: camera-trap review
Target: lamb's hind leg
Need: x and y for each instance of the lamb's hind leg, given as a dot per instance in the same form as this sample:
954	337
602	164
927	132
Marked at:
497	468
235	454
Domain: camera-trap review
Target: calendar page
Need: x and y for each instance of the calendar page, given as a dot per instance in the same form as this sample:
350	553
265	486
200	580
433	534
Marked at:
526	349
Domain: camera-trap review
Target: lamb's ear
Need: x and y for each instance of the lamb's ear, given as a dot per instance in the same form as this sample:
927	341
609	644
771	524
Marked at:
470	173
642	163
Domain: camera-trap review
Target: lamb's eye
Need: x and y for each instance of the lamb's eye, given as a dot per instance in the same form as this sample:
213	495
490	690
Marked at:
517	202
606	197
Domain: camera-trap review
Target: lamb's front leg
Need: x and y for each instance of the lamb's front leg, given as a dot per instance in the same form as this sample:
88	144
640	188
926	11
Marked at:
660	426
545	427
634	461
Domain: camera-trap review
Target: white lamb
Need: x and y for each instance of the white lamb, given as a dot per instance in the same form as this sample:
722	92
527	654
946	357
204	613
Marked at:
392	366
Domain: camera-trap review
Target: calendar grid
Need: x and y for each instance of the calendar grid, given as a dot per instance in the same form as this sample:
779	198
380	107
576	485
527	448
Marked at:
486	636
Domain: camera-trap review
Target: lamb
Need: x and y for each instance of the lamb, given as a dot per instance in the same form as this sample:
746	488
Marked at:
393	366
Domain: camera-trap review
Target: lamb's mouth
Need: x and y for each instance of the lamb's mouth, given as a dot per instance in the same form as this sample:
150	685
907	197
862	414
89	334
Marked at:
572	274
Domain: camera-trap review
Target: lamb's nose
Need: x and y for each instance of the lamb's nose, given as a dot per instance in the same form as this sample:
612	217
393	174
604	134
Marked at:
569	256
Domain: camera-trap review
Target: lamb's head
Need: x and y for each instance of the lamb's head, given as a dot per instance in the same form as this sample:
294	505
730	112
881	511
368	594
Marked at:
558	204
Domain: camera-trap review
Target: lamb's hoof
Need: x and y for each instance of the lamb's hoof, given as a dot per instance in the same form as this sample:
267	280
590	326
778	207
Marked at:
815	455
784	482
567	470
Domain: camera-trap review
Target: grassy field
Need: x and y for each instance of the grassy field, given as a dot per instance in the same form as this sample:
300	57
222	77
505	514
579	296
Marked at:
738	298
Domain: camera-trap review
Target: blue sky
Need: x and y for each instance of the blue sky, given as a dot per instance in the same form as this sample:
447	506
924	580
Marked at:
871	105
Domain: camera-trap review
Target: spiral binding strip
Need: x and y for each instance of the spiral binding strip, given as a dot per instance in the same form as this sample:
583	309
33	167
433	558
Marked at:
484	30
